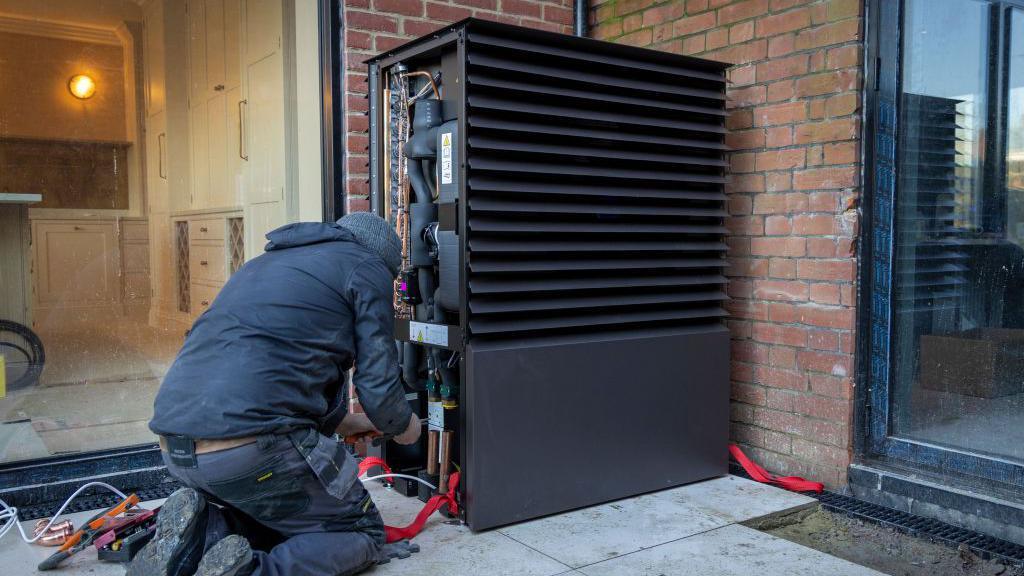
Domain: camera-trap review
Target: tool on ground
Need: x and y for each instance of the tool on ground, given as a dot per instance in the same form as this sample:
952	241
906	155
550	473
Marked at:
88	533
127	536
793	483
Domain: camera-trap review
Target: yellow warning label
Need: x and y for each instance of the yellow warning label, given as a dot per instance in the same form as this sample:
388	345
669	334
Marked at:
446	158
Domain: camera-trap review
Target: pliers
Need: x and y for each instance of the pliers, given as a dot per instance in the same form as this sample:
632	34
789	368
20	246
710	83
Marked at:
84	536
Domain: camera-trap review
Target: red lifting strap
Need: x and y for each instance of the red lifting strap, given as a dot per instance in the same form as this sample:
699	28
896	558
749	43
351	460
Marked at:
394	534
794	483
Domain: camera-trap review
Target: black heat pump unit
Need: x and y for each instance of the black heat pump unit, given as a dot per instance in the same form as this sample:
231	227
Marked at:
560	309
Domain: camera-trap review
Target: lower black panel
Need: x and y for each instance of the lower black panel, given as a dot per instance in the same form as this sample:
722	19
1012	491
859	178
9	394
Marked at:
560	426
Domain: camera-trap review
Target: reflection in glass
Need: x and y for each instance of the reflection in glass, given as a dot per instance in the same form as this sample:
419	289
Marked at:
958	303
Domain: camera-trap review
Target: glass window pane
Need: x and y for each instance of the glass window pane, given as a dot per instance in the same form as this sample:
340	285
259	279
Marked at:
958	364
142	160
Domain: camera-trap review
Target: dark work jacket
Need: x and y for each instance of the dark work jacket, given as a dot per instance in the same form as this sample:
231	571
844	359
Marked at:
272	351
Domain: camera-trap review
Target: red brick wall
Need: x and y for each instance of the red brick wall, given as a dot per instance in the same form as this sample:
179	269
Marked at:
794	104
373	26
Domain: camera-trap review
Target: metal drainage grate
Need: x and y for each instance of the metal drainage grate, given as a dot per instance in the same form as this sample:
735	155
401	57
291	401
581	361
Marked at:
984	546
96	502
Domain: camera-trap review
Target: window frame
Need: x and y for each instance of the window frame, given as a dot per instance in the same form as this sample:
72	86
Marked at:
874	441
136	466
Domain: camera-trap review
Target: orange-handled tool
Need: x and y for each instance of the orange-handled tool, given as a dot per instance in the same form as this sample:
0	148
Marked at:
84	536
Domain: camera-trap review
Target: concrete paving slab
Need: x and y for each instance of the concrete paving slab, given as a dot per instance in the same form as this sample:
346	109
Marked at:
687	530
737	499
452	550
729	551
601	532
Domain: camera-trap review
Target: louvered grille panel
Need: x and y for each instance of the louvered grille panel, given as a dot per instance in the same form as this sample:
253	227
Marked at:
931	267
594	190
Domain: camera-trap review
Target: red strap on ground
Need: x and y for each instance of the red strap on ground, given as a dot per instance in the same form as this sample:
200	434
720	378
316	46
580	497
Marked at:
794	483
394	534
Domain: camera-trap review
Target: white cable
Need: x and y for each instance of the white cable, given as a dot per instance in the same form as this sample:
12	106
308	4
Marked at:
9	514
420	480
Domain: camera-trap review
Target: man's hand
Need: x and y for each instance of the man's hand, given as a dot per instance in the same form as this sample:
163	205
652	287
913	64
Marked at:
412	432
357	427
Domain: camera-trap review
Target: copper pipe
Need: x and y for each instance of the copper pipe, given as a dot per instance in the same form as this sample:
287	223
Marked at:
432	441
56	535
446	454
429	77
56	527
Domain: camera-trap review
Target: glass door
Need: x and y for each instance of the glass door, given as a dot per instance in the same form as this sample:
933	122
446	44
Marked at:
947	240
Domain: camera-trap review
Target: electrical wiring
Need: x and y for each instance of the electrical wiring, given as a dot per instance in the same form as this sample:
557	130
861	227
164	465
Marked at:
9	514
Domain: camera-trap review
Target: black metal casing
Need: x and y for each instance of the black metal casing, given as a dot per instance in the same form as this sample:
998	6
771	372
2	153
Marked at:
595	360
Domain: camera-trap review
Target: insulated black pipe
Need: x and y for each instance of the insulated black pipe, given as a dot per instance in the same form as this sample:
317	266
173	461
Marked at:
581	18
422	145
448	378
429	175
411	365
418	183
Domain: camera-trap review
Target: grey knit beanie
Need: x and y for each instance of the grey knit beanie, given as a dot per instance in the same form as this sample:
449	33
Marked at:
373	233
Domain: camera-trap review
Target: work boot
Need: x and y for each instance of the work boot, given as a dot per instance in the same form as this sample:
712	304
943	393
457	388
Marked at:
232	556
176	548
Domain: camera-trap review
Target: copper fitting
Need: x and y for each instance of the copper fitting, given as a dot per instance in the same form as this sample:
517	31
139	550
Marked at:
446	454
429	77
432	441
56	535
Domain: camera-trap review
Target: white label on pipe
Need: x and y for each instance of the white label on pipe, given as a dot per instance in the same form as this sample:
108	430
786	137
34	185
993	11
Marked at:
435	416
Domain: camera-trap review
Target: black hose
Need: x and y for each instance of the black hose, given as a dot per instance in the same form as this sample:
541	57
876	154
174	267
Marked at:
411	365
419	183
429	176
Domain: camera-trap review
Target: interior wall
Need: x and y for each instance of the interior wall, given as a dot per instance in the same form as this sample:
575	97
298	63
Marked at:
102	13
42	107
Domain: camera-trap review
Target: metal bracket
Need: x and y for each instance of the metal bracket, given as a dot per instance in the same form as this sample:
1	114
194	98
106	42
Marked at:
454	334
448	216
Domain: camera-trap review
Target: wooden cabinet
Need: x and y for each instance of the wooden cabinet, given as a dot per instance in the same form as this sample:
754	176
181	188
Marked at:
15	254
263	27
214	109
264	122
92	263
196	50
76	263
213	253
135	266
154	50
232	43
200	136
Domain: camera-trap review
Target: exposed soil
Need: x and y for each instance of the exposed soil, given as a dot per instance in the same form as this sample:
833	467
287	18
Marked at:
880	548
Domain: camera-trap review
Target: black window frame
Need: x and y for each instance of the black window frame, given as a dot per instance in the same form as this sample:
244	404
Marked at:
874	442
40	481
